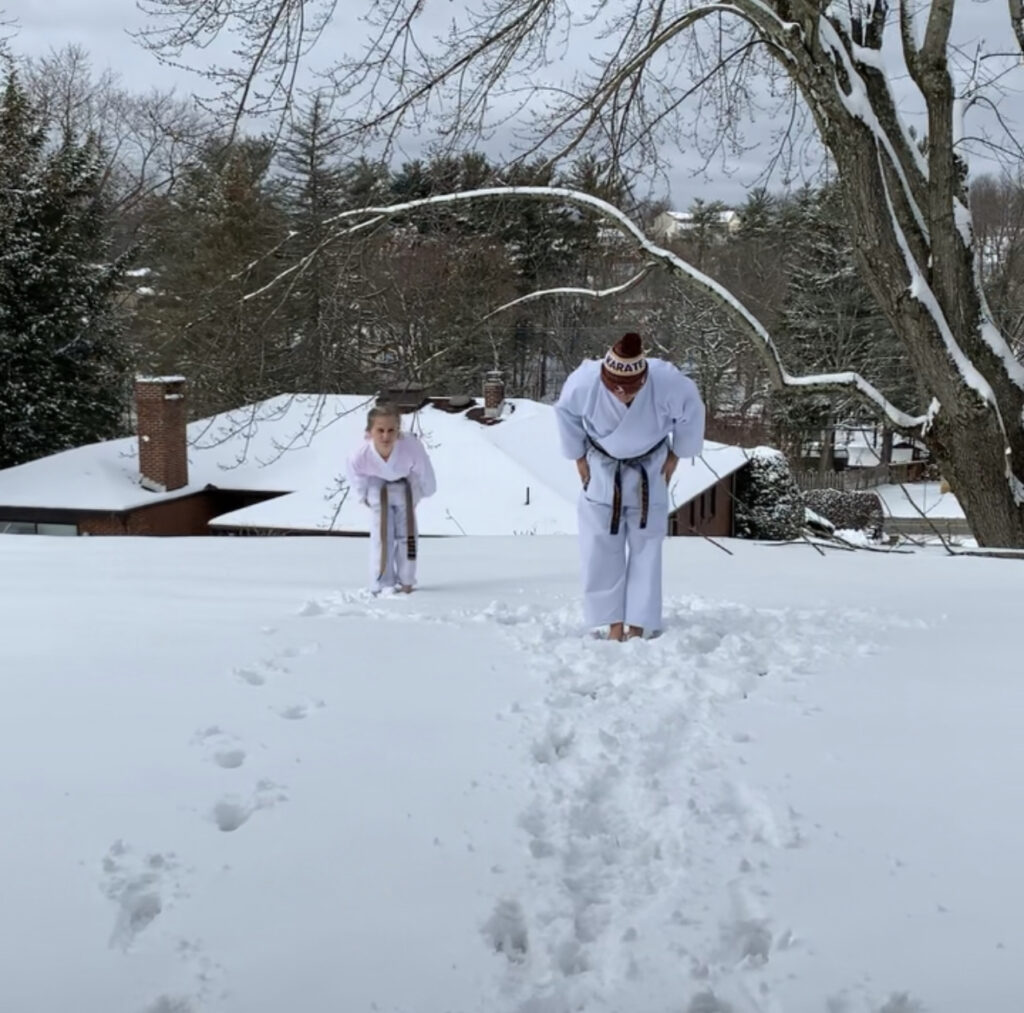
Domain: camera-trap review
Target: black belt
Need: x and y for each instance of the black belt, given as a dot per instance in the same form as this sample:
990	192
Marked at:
645	485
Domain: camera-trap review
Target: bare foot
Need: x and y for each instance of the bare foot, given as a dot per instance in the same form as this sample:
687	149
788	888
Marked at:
634	631
615	632
406	589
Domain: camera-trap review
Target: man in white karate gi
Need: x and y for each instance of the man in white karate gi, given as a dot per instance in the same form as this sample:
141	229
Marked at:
626	421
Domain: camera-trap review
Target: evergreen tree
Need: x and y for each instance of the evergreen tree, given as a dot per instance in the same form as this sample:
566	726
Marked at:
829	320
365	183
211	249
63	365
321	293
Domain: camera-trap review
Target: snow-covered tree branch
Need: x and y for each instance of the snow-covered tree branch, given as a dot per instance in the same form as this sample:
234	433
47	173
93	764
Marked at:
353	221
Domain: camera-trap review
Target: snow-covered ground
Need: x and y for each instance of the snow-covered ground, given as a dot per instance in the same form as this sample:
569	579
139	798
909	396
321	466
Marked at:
232	784
927	497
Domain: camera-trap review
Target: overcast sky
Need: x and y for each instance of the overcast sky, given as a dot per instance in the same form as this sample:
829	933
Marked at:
101	27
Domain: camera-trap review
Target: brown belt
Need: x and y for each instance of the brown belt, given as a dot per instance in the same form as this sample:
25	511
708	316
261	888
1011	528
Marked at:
410	525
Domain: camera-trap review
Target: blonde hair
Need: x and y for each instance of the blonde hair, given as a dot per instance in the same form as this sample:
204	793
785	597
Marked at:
383	410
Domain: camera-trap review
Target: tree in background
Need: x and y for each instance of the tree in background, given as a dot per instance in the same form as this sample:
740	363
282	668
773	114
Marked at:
998	208
63	364
145	139
322	295
830	322
212	244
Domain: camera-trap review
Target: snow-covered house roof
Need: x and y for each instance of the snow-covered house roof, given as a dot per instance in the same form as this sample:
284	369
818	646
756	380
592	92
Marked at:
492	480
688	219
670	224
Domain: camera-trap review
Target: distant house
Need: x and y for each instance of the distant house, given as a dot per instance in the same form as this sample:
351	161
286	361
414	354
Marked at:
709	511
671	225
277	467
859	457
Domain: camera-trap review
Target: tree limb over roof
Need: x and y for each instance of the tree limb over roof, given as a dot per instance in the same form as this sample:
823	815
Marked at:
357	220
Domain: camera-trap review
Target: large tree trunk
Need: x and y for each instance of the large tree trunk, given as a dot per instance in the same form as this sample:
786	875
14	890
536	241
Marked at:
886	451
915	250
967	444
975	442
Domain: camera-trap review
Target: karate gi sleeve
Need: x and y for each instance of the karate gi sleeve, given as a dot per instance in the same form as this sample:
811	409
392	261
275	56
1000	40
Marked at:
421	473
687	419
358	480
568	414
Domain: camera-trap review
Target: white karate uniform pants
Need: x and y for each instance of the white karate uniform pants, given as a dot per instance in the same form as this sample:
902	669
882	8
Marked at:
399	569
622	572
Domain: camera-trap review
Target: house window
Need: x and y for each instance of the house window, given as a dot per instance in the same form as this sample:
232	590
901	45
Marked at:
64	530
32	528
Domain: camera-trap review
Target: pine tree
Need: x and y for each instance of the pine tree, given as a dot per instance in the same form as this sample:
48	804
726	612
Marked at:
210	248
63	364
320	296
829	320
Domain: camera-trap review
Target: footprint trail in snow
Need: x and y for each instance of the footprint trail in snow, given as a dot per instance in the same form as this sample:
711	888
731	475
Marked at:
143	887
638	808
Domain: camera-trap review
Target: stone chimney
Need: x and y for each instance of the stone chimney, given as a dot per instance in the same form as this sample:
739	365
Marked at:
163	450
494	394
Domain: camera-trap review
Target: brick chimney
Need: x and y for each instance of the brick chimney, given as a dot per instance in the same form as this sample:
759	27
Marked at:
163	451
494	394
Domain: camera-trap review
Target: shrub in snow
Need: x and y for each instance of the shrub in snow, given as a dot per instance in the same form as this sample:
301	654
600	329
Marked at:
854	511
769	505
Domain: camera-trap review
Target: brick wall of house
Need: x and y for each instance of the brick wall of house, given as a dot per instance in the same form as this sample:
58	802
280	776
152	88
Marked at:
188	515
710	513
106	524
163	448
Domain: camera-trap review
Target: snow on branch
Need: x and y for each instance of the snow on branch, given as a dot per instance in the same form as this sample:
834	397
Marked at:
591	293
922	291
355	220
857	103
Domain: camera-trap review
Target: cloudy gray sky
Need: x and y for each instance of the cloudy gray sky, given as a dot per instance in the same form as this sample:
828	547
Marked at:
102	28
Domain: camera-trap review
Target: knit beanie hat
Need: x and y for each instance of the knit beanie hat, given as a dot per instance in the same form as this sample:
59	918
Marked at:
625	366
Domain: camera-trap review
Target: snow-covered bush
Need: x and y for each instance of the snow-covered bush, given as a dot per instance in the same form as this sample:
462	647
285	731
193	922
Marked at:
854	511
769	505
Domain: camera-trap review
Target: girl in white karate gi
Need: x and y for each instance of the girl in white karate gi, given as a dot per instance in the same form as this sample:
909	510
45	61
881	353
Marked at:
626	421
390	473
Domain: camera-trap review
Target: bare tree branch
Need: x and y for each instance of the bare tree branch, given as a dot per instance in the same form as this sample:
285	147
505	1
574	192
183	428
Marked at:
740	315
274	37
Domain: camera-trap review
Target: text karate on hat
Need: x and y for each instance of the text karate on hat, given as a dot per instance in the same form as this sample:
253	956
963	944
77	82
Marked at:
623	368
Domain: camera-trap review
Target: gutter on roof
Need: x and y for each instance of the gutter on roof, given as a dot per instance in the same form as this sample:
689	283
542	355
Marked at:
54	515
